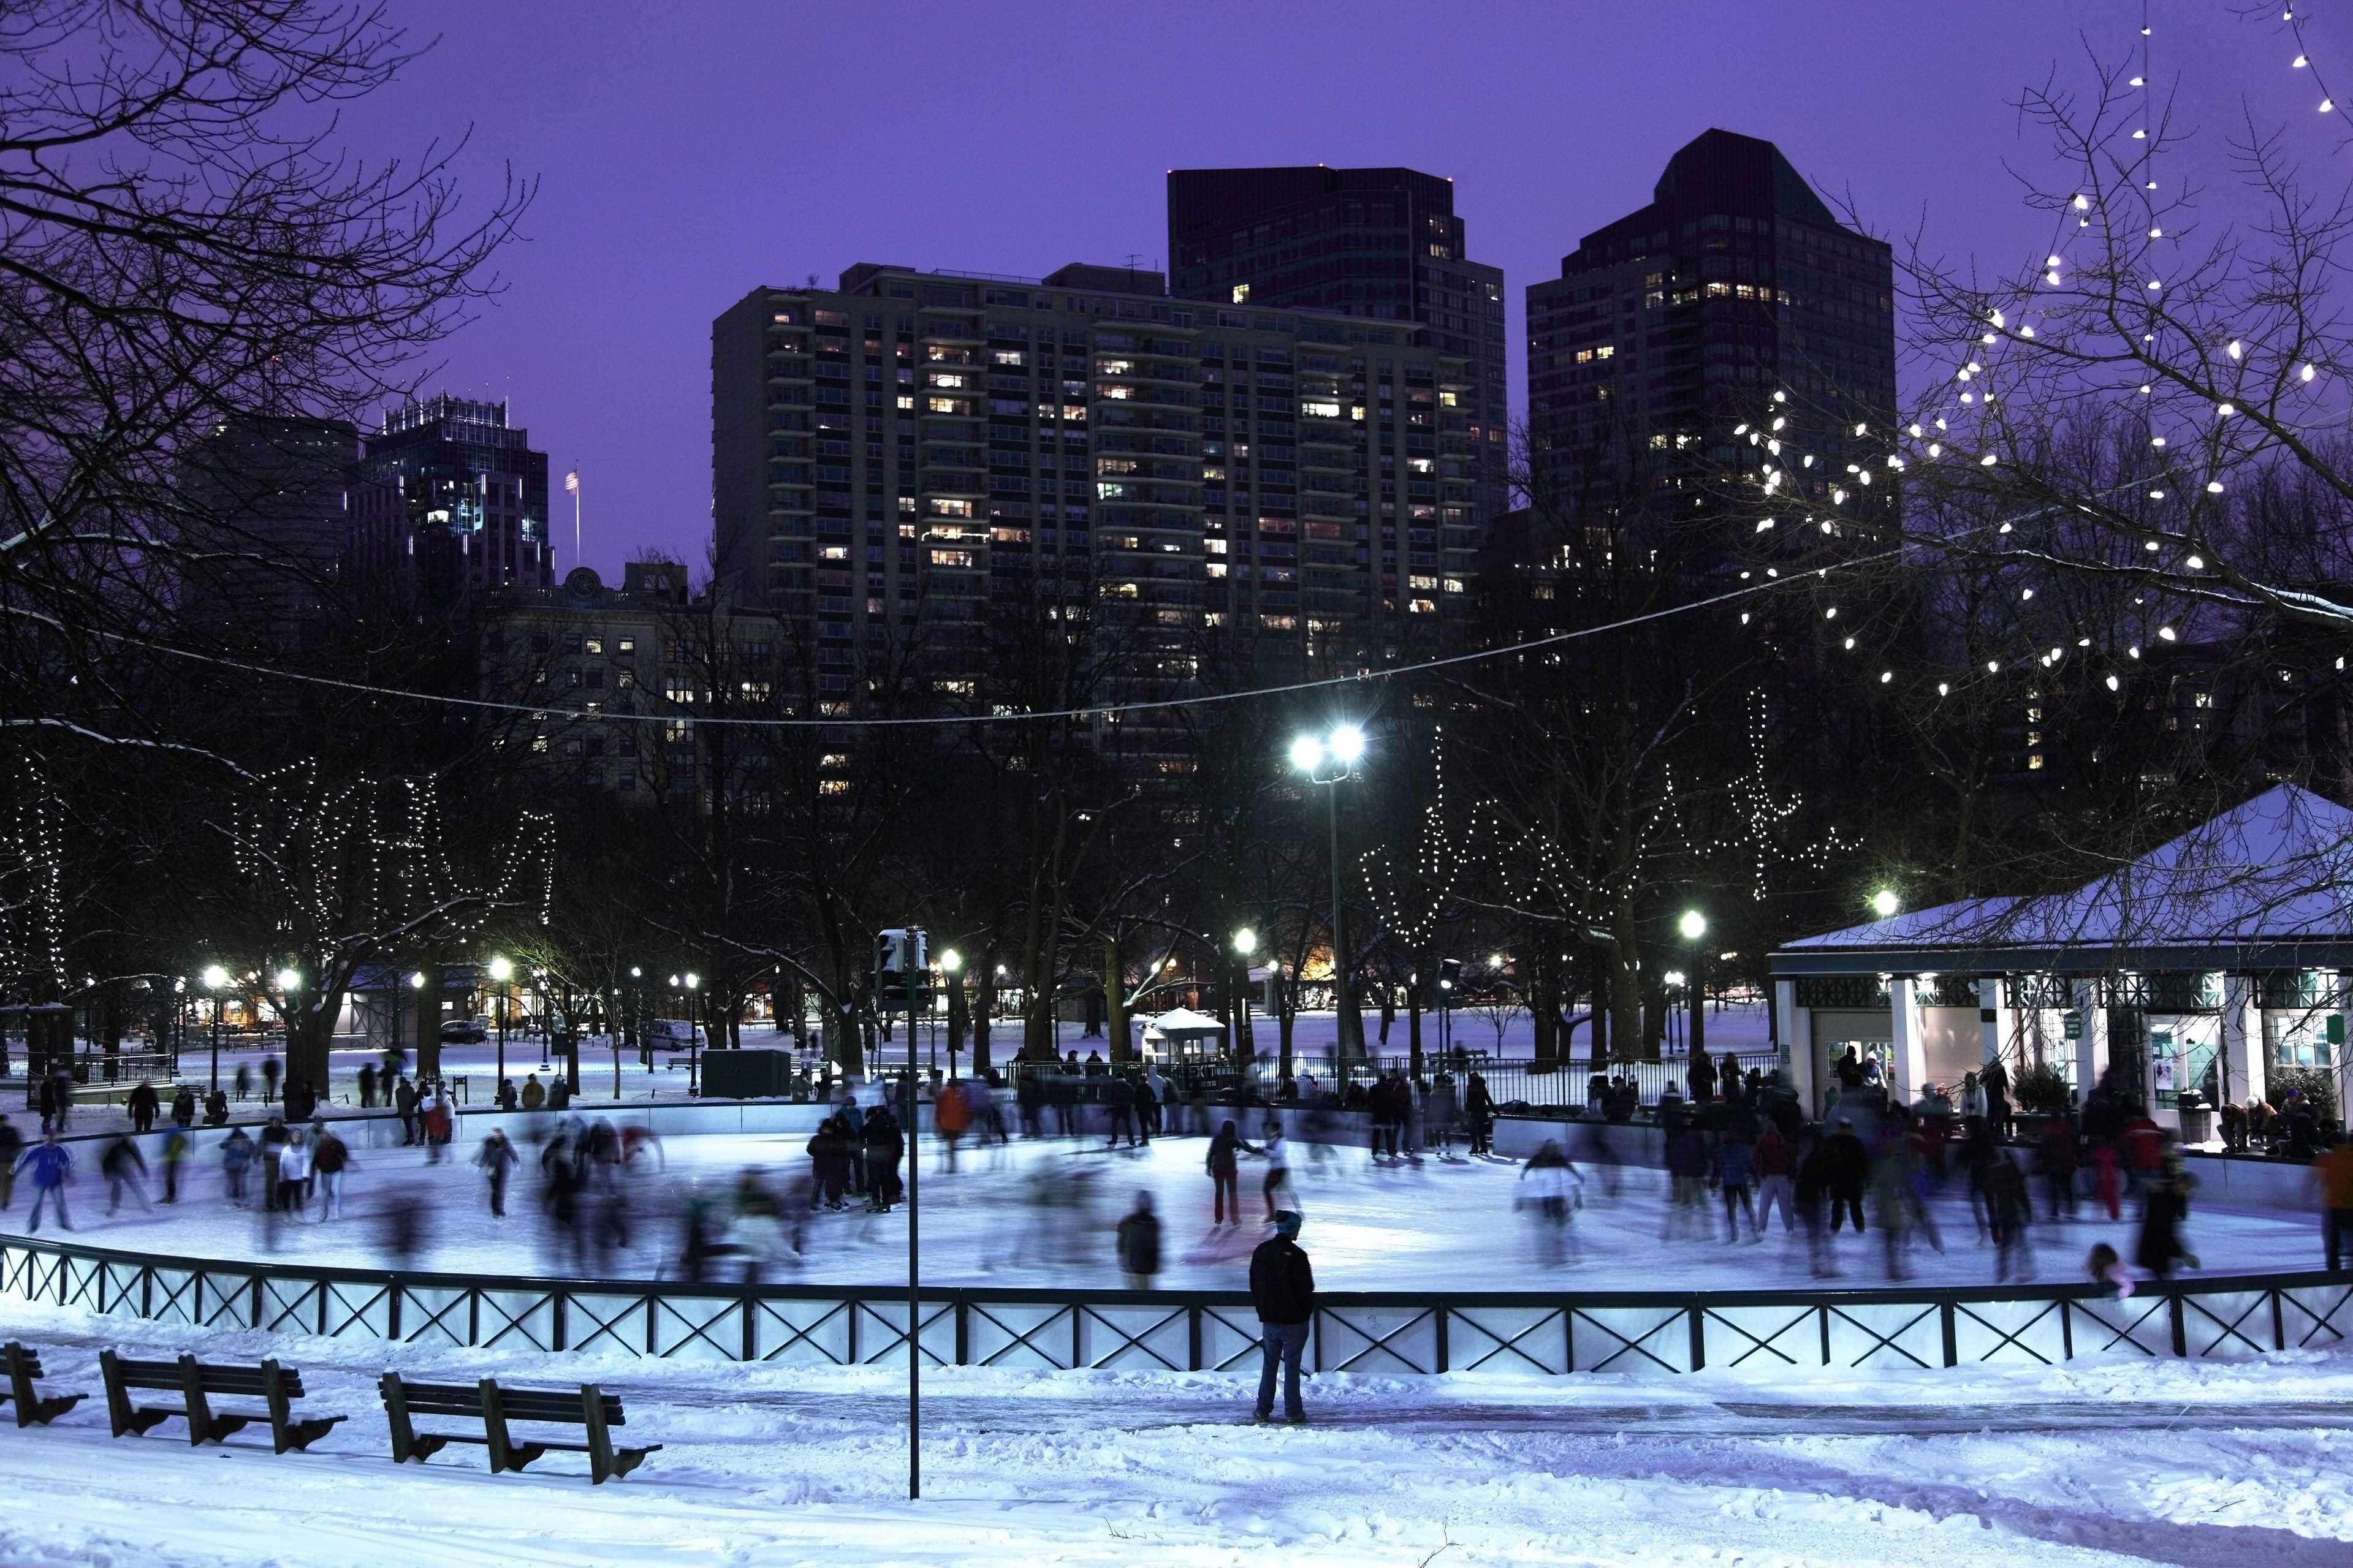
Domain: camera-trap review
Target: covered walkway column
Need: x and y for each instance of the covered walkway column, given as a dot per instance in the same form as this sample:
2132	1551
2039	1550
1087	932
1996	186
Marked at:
2092	1045
2242	1039
1796	1027
1910	1066
1995	1020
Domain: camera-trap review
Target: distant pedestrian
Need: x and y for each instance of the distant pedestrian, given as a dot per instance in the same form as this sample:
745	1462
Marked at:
47	1167
293	1174
1848	1170
269	1079
1735	1169
534	1093
404	1100
506	1094
1282	1290
883	1146
1139	1244
184	1107
244	1081
1119	1102
367	1086
216	1109
143	1106
1775	1188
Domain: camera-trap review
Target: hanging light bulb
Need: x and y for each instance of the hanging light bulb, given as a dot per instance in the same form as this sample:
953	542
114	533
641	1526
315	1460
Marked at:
2307	374
1943	690
2114	683
1885	675
2236	349
2166	632
2223	410
2196	563
2213	487
2083	202
2025	593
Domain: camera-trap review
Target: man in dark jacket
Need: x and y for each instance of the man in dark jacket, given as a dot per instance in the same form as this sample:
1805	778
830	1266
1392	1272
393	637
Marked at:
404	1099
142	1105
1850	1167
1282	1289
1139	1244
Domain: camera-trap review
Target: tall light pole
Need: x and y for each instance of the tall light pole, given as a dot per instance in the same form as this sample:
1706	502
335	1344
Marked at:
1692	927
952	966
501	970
216	980
1245	943
693	983
1331	760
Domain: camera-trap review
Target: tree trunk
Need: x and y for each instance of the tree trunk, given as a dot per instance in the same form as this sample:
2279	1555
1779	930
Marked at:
1115	1002
982	1012
1413	1024
309	1031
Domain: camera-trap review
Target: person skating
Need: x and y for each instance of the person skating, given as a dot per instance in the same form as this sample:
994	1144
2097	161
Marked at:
177	1147
2165	1204
47	1167
1139	1244
1479	1115
125	1169
1775	1187
244	1081
184	1107
2010	1206
11	1147
1734	1170
1816	1175
1225	1176
330	1158
216	1108
404	1100
496	1159
143	1106
2332	1180
269	1079
273	1149
883	1146
1277	1188
1848	1170
237	1158
1282	1290
367	1086
1119	1102
294	1174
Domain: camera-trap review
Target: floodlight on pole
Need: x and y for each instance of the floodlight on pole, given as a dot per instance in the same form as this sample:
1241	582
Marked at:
1694	925
1885	903
416	981
1246	942
1331	760
290	980
216	977
1307	753
1346	745
950	961
502	970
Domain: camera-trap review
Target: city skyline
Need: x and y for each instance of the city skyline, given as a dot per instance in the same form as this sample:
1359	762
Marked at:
650	193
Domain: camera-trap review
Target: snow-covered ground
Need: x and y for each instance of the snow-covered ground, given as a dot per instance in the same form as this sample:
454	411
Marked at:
474	1067
1032	1211
2201	1465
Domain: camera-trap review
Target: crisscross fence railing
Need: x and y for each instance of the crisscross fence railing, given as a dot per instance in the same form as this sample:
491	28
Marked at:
1535	1333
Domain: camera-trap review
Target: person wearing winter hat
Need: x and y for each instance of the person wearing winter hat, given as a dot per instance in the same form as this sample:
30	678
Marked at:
1282	1289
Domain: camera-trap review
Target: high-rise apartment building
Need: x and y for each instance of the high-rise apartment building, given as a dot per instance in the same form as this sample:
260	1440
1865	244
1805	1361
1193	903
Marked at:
1678	322
298	534
912	459
475	494
1384	244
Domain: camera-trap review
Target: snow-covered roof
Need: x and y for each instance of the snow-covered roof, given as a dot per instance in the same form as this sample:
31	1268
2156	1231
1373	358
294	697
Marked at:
2272	873
1185	1021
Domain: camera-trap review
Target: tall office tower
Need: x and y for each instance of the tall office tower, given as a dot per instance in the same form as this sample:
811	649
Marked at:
301	536
1676	322
1379	243
475	492
927	460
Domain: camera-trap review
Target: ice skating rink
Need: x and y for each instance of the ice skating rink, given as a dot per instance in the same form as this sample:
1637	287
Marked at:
1033	1211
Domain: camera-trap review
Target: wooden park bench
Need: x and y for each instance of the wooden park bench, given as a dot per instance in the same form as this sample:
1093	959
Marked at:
494	1407
32	1404
195	1384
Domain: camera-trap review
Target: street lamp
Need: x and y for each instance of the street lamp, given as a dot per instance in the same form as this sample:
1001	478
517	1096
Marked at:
1694	926
501	970
1885	903
1245	943
1331	760
693	981
215	981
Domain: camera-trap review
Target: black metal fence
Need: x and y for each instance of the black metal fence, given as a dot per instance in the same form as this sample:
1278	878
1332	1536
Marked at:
1515	1086
1531	1334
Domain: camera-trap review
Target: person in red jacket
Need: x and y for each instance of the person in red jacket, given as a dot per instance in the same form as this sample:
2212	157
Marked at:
1775	1170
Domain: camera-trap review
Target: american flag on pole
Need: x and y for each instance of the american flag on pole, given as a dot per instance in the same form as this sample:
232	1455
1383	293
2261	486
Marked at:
571	482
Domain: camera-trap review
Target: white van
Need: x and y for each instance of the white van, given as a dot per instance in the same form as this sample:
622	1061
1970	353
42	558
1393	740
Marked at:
670	1035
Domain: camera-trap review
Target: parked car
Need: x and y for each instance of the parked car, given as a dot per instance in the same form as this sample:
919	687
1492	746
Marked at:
670	1035
464	1031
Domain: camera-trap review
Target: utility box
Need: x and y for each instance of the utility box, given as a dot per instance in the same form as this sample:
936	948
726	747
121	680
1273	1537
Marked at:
746	1075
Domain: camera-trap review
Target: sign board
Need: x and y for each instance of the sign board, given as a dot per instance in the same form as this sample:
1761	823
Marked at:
2075	1025
2336	1028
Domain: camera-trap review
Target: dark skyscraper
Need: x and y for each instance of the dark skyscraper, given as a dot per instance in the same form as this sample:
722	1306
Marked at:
1383	243
1675	323
475	492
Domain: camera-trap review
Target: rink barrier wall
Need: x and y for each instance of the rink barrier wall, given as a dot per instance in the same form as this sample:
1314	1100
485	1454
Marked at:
2237	1180
1386	1334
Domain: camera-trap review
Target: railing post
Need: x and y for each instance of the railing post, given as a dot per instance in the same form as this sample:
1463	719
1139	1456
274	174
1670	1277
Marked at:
1441	1313
556	1323
2180	1328
1193	1337
1698	1319
963	1332
1952	1336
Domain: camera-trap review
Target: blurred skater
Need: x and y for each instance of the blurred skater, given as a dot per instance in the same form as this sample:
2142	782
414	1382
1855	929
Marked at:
237	1158
177	1147
330	1158
496	1159
1552	1194
125	1169
47	1168
1225	1176
1139	1244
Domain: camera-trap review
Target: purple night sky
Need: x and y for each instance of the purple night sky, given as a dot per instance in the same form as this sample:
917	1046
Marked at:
688	152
